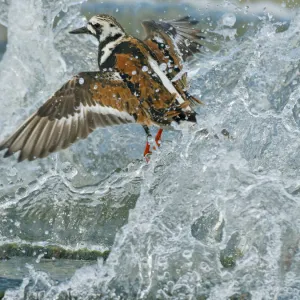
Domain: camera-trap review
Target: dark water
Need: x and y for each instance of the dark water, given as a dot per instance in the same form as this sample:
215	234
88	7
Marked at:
15	269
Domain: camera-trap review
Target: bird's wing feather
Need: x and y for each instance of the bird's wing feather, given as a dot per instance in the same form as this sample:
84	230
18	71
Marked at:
173	43
89	100
178	36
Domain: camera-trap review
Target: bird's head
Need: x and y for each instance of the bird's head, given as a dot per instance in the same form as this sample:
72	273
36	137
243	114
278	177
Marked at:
102	27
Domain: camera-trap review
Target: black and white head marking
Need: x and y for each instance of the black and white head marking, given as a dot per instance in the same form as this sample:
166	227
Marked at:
105	28
108	32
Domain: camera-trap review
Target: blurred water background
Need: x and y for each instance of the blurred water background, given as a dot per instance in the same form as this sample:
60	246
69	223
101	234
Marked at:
211	217
151	9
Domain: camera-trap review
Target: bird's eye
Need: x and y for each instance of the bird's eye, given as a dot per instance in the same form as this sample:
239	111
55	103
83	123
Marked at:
97	25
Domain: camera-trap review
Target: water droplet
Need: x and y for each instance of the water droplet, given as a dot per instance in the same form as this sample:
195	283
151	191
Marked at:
145	69
163	66
65	8
81	81
187	42
95	86
39	258
246	10
228	19
133	72
187	254
151	140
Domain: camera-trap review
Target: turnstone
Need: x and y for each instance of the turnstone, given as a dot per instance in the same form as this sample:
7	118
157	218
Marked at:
133	85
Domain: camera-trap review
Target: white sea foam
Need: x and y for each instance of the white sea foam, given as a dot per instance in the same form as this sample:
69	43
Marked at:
207	200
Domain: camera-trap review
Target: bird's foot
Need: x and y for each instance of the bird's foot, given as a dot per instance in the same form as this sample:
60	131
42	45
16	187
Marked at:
147	151
158	138
154	143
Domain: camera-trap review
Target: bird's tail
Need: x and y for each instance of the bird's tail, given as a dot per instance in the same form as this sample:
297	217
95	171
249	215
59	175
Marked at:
180	113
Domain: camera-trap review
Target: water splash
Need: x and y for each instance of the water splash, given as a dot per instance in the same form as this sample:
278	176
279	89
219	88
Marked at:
216	214
41	195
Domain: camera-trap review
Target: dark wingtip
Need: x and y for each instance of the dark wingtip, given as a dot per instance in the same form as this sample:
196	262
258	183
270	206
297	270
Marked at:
21	157
8	153
189	20
200	36
194	22
192	117
148	22
184	19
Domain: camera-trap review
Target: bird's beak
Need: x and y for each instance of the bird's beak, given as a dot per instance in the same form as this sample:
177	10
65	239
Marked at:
80	30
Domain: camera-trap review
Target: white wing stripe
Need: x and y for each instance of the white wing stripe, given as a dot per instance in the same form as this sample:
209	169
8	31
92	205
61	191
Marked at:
101	110
107	110
98	109
165	80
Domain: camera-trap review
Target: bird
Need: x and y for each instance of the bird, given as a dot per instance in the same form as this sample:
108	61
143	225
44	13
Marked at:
134	84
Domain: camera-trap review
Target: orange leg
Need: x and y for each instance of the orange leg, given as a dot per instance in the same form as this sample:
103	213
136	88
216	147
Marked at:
158	137
147	151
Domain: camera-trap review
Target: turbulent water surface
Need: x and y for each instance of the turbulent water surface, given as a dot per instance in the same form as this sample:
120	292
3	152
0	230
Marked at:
213	215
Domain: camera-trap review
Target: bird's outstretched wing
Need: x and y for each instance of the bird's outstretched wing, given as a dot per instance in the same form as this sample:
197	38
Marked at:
178	36
173	43
89	100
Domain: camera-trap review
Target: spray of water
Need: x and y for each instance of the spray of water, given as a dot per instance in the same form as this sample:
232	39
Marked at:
216	212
